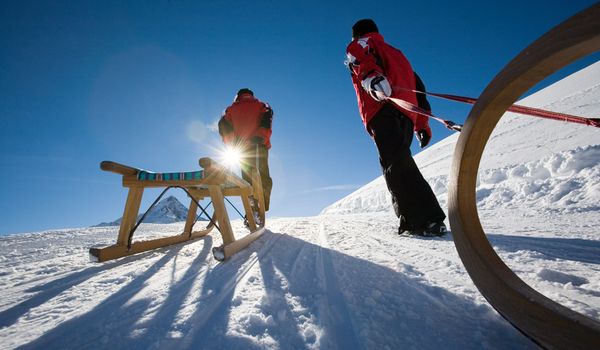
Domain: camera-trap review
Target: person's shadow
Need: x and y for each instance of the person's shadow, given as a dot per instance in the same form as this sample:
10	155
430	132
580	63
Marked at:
316	297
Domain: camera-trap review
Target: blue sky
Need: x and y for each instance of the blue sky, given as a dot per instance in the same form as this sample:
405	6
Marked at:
141	83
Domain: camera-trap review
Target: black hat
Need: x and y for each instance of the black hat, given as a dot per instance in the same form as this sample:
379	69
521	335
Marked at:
362	27
244	91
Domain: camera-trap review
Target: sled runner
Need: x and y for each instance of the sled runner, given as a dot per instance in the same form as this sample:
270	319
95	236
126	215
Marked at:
546	322
213	181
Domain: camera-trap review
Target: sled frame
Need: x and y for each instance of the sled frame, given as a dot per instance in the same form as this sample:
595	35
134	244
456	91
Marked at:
546	322
216	183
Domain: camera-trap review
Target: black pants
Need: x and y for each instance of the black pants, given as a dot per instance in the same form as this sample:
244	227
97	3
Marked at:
248	162
412	197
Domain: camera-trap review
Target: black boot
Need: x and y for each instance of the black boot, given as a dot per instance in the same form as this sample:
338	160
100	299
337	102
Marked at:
435	229
403	226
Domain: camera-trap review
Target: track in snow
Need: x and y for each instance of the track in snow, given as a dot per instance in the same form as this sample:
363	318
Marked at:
309	283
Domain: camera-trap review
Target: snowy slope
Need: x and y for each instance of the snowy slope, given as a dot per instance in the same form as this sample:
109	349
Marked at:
335	281
306	285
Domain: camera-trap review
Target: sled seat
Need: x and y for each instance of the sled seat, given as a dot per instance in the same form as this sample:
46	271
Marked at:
144	175
213	181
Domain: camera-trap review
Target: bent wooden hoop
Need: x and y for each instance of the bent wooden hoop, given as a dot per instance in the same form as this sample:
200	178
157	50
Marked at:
549	324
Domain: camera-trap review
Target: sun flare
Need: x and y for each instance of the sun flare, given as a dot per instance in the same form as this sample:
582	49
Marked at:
231	156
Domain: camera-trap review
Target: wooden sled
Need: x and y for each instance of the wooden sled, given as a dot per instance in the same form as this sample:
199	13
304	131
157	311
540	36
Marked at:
213	181
546	322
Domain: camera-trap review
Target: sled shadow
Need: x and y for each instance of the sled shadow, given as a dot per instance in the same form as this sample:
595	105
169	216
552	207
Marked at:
573	249
99	327
316	297
47	291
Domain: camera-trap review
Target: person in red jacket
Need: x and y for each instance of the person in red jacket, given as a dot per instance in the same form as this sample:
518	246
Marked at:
380	71
246	125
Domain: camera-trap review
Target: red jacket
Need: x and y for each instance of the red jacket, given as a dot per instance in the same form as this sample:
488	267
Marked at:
370	55
247	121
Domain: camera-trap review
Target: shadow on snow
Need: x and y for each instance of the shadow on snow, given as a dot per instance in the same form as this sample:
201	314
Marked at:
573	249
339	302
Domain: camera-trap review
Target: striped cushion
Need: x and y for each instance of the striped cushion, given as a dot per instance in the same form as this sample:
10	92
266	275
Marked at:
150	176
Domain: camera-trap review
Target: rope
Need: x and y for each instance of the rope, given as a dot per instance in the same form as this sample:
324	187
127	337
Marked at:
236	209
416	109
536	112
531	111
203	211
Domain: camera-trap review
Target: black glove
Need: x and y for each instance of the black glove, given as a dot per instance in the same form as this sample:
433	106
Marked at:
257	140
424	136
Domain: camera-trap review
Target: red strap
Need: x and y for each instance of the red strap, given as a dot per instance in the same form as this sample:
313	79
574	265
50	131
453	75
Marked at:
536	112
407	106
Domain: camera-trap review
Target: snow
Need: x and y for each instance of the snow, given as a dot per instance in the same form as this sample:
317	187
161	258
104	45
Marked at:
340	280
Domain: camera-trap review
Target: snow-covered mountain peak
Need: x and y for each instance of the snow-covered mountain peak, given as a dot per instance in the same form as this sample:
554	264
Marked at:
167	211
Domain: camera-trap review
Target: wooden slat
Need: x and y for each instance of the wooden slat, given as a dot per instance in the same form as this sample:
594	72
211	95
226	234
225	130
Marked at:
228	250
212	167
549	324
258	194
119	250
205	162
221	214
248	209
228	192
130	213
236	192
118	168
191	217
